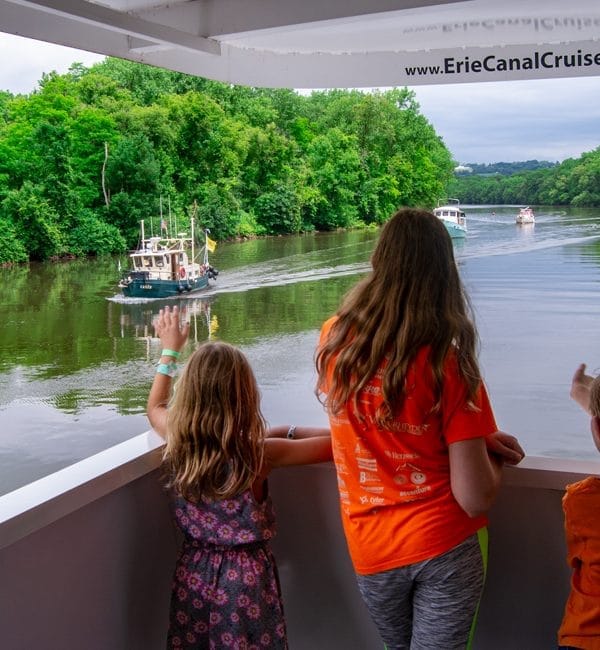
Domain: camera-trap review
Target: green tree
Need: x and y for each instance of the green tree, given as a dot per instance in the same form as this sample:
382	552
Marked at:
336	173
12	249
132	175
93	237
34	222
279	211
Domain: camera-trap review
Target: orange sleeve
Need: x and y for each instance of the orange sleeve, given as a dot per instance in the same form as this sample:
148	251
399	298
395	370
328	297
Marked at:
325	328
461	420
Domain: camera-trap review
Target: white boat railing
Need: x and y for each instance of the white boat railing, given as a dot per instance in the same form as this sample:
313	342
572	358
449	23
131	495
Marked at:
87	554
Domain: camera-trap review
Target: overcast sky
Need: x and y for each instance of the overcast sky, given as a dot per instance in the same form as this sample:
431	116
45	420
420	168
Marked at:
549	119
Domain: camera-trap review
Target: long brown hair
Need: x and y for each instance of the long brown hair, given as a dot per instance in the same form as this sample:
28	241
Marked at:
413	297
215	428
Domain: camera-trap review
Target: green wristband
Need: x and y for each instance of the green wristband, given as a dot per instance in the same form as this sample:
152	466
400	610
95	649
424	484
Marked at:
170	353
168	369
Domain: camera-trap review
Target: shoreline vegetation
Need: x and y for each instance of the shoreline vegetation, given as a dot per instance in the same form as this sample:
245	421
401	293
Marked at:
574	182
89	154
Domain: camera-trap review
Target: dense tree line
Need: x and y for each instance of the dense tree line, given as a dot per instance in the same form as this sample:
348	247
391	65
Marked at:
573	182
90	153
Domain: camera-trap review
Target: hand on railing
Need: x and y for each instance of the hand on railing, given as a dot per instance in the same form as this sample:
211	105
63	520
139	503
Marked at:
506	446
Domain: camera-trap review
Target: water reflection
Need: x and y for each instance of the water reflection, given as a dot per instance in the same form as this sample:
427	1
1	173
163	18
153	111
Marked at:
137	319
525	232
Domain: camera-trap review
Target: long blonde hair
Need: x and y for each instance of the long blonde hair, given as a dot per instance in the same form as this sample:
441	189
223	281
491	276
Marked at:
215	428
413	297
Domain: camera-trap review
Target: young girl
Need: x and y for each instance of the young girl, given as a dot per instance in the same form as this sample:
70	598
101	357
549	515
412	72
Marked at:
411	425
225	590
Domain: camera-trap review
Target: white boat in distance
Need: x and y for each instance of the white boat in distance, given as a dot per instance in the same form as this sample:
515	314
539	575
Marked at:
525	216
453	217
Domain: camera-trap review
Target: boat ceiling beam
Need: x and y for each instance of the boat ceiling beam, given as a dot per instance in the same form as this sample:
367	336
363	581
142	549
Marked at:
226	18
328	43
119	22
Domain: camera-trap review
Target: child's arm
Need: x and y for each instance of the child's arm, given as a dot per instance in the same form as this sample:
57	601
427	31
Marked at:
474	475
156	409
580	388
172	338
298	432
281	452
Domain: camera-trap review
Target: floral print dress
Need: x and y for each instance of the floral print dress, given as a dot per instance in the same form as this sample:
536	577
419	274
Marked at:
226	590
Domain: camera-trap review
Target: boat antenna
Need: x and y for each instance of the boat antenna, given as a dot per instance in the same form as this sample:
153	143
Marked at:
193	267
170	216
161	222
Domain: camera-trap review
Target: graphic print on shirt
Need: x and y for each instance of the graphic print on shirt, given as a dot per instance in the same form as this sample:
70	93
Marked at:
342	470
412	479
367	474
368	477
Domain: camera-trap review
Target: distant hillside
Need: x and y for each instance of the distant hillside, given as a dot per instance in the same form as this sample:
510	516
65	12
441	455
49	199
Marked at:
575	181
505	168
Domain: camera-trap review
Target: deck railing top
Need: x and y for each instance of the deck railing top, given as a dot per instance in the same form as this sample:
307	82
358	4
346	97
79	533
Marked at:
34	506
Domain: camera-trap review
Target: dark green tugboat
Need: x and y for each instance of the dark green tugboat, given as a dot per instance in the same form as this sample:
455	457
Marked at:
163	267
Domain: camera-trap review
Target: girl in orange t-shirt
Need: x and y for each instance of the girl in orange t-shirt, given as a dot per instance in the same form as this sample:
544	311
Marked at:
417	451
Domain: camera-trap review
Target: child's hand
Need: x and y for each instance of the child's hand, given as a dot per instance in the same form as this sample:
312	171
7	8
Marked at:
580	388
169	329
506	446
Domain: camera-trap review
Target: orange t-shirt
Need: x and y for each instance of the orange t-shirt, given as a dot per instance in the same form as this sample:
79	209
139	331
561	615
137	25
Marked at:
394	483
581	623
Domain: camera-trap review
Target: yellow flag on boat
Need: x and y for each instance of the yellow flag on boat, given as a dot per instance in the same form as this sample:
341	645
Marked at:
211	244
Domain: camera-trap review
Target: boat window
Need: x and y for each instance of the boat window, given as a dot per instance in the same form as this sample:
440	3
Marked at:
160	261
137	262
148	261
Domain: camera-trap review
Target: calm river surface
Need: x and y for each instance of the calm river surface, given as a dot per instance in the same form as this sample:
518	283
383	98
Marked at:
77	360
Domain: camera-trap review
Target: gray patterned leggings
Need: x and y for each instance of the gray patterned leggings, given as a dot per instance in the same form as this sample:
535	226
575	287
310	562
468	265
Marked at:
429	605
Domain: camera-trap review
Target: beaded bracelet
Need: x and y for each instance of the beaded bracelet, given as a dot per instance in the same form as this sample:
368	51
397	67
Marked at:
170	353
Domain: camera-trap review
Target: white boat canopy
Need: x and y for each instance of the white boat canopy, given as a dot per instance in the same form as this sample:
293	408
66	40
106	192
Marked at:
327	43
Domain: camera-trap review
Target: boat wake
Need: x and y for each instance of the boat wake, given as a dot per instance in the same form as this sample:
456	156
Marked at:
267	275
125	300
521	245
500	235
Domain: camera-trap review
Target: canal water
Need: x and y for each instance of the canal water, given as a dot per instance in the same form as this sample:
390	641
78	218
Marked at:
77	359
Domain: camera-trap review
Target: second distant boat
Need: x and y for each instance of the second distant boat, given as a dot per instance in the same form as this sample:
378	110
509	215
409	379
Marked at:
452	216
525	216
